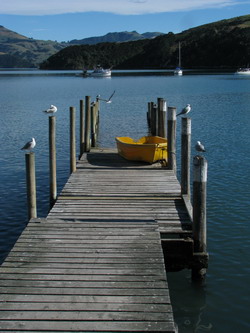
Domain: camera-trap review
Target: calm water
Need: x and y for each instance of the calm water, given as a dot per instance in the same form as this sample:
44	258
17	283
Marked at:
220	120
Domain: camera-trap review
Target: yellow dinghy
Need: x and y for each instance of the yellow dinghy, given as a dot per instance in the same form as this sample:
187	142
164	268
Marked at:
147	149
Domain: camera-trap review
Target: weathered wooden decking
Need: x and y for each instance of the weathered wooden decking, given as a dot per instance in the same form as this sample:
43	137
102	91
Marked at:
96	263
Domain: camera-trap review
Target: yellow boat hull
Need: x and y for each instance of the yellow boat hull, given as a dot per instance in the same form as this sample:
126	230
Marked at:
148	149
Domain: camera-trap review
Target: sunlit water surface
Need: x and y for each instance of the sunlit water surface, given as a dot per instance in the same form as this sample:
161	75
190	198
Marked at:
220	119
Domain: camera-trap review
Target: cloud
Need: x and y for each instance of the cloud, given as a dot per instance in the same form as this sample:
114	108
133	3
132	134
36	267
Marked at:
121	7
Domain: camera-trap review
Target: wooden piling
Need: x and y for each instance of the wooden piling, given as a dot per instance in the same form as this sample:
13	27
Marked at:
149	114
87	124
72	140
97	120
52	160
185	155
171	130
31	184
82	128
93	111
154	120
199	213
162	114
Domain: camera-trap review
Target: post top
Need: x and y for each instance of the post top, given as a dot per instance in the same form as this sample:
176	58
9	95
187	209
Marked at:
200	168
171	113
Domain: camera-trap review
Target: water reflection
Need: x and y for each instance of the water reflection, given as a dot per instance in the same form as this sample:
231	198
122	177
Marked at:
184	292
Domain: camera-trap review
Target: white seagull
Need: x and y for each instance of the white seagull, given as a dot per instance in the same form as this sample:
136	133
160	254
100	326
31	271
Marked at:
52	109
105	100
199	147
29	145
185	110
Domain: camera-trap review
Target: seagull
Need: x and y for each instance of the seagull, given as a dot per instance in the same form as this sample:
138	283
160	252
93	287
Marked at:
52	109
105	100
185	110
199	147
29	145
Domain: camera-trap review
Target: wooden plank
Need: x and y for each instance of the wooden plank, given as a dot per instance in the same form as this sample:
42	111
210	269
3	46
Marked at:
108	245
129	299
45	306
88	239
90	236
80	249
85	326
154	292
85	254
81	284
84	315
52	257
94	271
75	266
49	276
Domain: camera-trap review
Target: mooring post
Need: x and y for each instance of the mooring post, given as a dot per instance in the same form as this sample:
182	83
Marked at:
171	138
149	114
97	119
151	118
87	124
93	125
72	140
162	111
31	184
154	120
52	160
82	128
97	116
199	216
185	155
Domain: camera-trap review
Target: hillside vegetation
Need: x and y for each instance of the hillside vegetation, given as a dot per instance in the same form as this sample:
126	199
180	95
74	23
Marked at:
19	51
223	44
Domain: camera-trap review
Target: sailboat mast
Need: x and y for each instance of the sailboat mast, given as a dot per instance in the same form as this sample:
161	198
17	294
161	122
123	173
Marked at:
178	70
180	54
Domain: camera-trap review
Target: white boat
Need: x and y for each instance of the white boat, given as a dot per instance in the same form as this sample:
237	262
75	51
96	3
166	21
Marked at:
244	71
178	70
100	72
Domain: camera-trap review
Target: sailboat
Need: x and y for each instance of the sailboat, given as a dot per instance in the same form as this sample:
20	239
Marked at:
178	70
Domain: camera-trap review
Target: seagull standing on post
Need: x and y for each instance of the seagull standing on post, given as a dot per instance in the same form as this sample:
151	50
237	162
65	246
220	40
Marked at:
52	109
185	110
29	145
199	147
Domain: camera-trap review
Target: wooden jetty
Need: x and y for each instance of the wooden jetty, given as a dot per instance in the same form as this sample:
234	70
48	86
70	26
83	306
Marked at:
98	262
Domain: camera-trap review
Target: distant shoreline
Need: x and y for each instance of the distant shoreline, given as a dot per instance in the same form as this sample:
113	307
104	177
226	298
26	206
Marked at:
117	72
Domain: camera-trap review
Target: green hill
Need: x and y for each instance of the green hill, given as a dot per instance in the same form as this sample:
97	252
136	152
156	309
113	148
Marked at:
223	44
19	51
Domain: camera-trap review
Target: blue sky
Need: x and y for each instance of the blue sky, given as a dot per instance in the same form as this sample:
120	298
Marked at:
64	20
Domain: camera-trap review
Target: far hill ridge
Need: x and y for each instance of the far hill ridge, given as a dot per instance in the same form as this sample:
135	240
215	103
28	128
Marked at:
20	51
